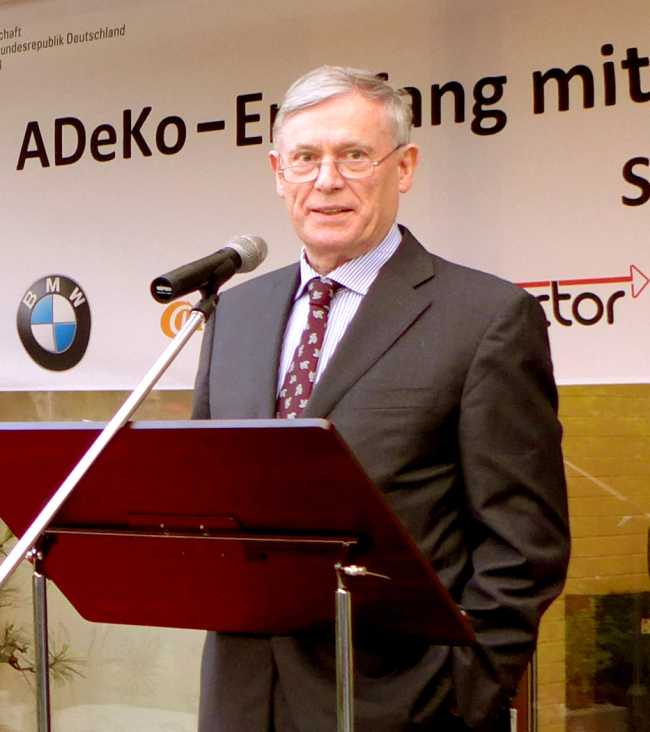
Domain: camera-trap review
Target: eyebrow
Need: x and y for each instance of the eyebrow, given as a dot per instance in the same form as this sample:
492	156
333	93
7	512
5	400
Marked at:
347	145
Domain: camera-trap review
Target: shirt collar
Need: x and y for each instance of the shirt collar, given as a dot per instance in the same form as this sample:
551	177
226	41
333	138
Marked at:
357	274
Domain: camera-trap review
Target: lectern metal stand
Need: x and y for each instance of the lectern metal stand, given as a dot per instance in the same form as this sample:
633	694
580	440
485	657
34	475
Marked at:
41	645
342	632
344	657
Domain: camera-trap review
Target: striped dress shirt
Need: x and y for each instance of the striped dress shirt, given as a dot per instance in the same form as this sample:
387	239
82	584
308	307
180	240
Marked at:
355	277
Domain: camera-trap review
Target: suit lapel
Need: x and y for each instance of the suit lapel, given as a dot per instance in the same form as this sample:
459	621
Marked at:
268	337
279	307
387	311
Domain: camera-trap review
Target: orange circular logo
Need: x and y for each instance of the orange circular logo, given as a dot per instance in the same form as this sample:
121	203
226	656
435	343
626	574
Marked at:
175	316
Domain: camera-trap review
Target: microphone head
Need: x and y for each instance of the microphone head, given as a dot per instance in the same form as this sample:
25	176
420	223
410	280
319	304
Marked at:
251	249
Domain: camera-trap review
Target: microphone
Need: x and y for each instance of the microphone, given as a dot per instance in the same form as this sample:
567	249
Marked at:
241	254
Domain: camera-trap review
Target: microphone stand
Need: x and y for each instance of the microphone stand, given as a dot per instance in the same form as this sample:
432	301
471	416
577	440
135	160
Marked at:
26	545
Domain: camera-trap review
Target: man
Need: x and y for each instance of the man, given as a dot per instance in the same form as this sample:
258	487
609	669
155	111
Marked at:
439	379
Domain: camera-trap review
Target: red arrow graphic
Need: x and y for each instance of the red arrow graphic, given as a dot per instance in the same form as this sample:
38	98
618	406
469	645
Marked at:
636	278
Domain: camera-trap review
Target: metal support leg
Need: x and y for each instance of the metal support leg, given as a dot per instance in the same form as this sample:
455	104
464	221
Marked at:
344	659
42	667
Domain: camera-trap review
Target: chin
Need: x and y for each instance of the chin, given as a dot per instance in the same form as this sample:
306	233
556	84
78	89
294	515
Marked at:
330	246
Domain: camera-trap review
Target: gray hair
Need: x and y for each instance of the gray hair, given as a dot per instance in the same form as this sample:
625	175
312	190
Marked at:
327	82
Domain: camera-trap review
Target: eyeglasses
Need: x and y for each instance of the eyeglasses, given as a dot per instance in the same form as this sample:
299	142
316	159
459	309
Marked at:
349	169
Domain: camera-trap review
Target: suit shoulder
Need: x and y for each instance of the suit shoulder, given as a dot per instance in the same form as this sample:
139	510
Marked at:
484	298
468	298
260	285
464	287
477	280
464	280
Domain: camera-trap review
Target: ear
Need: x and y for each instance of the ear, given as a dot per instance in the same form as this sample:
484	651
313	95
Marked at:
274	158
408	162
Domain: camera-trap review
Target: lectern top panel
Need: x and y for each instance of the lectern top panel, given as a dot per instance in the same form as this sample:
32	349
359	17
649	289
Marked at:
176	519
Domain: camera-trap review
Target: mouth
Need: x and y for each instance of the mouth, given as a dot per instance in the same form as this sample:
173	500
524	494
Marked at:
331	210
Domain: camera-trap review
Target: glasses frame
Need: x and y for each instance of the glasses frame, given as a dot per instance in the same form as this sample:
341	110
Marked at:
336	164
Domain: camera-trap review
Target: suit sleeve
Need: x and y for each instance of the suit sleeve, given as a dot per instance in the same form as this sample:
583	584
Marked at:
513	473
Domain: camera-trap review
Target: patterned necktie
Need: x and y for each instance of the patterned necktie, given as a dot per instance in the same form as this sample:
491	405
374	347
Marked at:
299	380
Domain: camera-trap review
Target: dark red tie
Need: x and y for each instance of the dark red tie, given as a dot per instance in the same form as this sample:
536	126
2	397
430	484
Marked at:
299	380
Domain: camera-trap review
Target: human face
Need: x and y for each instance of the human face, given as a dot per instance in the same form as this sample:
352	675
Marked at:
339	219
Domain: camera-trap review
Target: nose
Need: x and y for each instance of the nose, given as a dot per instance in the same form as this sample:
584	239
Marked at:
328	177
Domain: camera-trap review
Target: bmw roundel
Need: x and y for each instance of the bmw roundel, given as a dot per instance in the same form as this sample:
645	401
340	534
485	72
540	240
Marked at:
54	322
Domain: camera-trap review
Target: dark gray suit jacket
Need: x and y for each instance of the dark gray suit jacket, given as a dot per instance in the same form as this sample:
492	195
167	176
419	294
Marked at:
443	389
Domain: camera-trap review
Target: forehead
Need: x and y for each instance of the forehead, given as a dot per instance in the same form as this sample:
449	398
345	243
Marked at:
350	119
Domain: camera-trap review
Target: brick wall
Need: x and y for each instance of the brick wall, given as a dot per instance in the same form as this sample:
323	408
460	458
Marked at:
607	454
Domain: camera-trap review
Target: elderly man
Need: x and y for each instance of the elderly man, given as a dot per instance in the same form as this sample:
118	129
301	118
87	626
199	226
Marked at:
439	379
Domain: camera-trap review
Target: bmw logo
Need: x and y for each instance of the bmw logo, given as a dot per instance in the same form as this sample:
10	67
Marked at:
54	322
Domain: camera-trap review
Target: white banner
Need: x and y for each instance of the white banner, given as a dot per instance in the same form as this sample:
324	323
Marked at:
134	138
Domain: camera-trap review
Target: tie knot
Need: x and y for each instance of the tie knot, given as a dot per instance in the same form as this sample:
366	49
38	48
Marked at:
321	291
